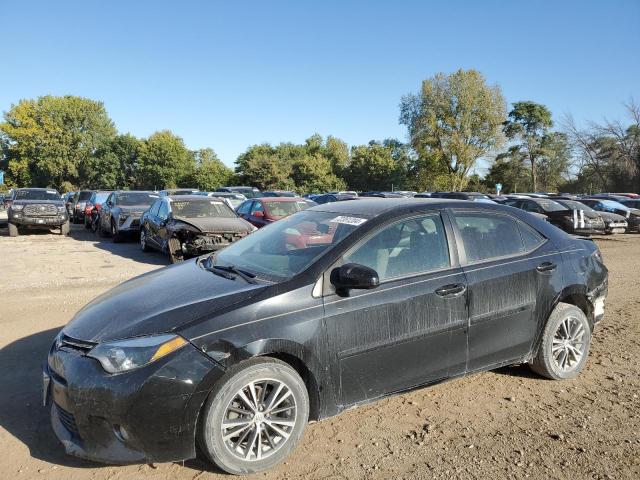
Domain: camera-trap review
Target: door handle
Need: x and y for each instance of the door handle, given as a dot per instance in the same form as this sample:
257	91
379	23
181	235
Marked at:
453	290
546	267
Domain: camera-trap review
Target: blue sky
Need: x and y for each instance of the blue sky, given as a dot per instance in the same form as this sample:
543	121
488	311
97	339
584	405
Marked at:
230	74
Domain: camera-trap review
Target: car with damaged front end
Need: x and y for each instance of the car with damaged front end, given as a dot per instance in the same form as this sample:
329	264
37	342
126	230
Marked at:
342	304
186	226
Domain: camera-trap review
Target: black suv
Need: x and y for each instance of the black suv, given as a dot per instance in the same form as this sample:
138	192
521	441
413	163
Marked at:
37	208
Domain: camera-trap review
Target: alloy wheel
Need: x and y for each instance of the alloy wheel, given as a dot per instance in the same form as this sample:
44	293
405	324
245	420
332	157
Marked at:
568	344
259	419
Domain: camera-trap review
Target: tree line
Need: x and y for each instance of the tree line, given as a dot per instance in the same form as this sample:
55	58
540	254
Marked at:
453	122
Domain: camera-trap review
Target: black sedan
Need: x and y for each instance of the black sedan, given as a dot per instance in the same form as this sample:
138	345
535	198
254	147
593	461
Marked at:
186	226
576	221
331	307
613	223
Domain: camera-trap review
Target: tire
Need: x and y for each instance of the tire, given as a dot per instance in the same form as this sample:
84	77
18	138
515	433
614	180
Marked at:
267	373
101	231
175	250
13	230
64	228
143	240
115	236
568	332
87	225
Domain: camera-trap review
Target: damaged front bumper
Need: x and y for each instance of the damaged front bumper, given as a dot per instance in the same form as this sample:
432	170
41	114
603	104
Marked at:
145	415
199	244
597	298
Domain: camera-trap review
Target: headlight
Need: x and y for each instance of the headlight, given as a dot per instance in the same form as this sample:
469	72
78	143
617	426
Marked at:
124	355
61	209
17	208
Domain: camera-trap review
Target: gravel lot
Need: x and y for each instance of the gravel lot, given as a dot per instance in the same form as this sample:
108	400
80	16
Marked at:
503	424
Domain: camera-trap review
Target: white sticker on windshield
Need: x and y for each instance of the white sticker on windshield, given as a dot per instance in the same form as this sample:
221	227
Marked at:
349	220
51	191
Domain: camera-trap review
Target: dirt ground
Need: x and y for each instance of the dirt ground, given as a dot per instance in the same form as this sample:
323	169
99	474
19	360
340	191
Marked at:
503	424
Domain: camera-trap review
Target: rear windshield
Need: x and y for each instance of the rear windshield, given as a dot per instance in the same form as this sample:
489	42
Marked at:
200	209
284	209
84	196
37	195
136	198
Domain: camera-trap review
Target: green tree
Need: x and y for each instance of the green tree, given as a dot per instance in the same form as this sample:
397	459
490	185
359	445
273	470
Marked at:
528	123
308	167
373	167
116	164
453	121
210	172
554	161
510	170
50	140
165	162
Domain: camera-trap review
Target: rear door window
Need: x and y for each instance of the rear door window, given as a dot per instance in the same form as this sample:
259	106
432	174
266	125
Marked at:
487	236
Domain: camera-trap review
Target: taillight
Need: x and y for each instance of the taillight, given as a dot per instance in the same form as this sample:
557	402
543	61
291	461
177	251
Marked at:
98	206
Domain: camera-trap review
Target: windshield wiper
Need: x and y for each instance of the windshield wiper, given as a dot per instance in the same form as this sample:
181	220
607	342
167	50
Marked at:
246	276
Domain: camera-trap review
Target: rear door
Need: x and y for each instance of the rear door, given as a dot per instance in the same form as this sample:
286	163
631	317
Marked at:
510	269
412	329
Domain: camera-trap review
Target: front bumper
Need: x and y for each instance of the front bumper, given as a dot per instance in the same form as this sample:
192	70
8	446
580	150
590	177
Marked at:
146	415
130	224
28	221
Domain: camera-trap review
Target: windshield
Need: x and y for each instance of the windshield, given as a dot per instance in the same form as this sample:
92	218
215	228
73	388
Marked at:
201	209
287	247
282	209
136	198
631	203
573	205
551	205
613	204
37	195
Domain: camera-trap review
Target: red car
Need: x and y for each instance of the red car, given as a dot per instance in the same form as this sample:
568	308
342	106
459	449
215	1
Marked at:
92	208
262	211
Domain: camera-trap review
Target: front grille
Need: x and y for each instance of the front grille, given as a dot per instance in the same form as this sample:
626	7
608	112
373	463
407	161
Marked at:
68	420
71	343
42	210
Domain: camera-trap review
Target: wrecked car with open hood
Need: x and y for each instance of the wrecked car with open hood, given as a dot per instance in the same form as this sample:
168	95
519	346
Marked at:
190	225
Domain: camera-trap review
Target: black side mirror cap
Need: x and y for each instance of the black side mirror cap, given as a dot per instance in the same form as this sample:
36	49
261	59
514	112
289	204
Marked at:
354	276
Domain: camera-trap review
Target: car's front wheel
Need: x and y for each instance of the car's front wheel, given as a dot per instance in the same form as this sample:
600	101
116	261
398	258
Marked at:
255	416
13	230
143	240
565	344
64	228
115	236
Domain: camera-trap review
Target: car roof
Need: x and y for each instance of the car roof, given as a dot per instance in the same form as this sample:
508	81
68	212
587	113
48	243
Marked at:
191	198
373	206
281	199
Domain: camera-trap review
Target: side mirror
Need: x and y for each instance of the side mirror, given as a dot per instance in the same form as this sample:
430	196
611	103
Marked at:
258	214
354	276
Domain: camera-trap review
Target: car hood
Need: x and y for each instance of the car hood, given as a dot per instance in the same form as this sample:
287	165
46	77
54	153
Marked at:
133	208
612	217
569	214
215	224
38	202
157	302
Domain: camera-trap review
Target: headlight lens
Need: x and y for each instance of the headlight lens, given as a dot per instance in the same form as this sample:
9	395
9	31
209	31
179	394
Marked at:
124	355
17	208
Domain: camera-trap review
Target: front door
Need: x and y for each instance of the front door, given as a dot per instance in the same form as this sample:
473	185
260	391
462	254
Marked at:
412	329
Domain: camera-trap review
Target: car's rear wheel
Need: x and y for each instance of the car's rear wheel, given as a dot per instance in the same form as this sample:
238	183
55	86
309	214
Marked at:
143	240
255	416
13	230
87	222
565	344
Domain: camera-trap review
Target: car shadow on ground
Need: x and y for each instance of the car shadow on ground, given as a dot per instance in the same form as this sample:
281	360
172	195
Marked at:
127	248
522	371
21	410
